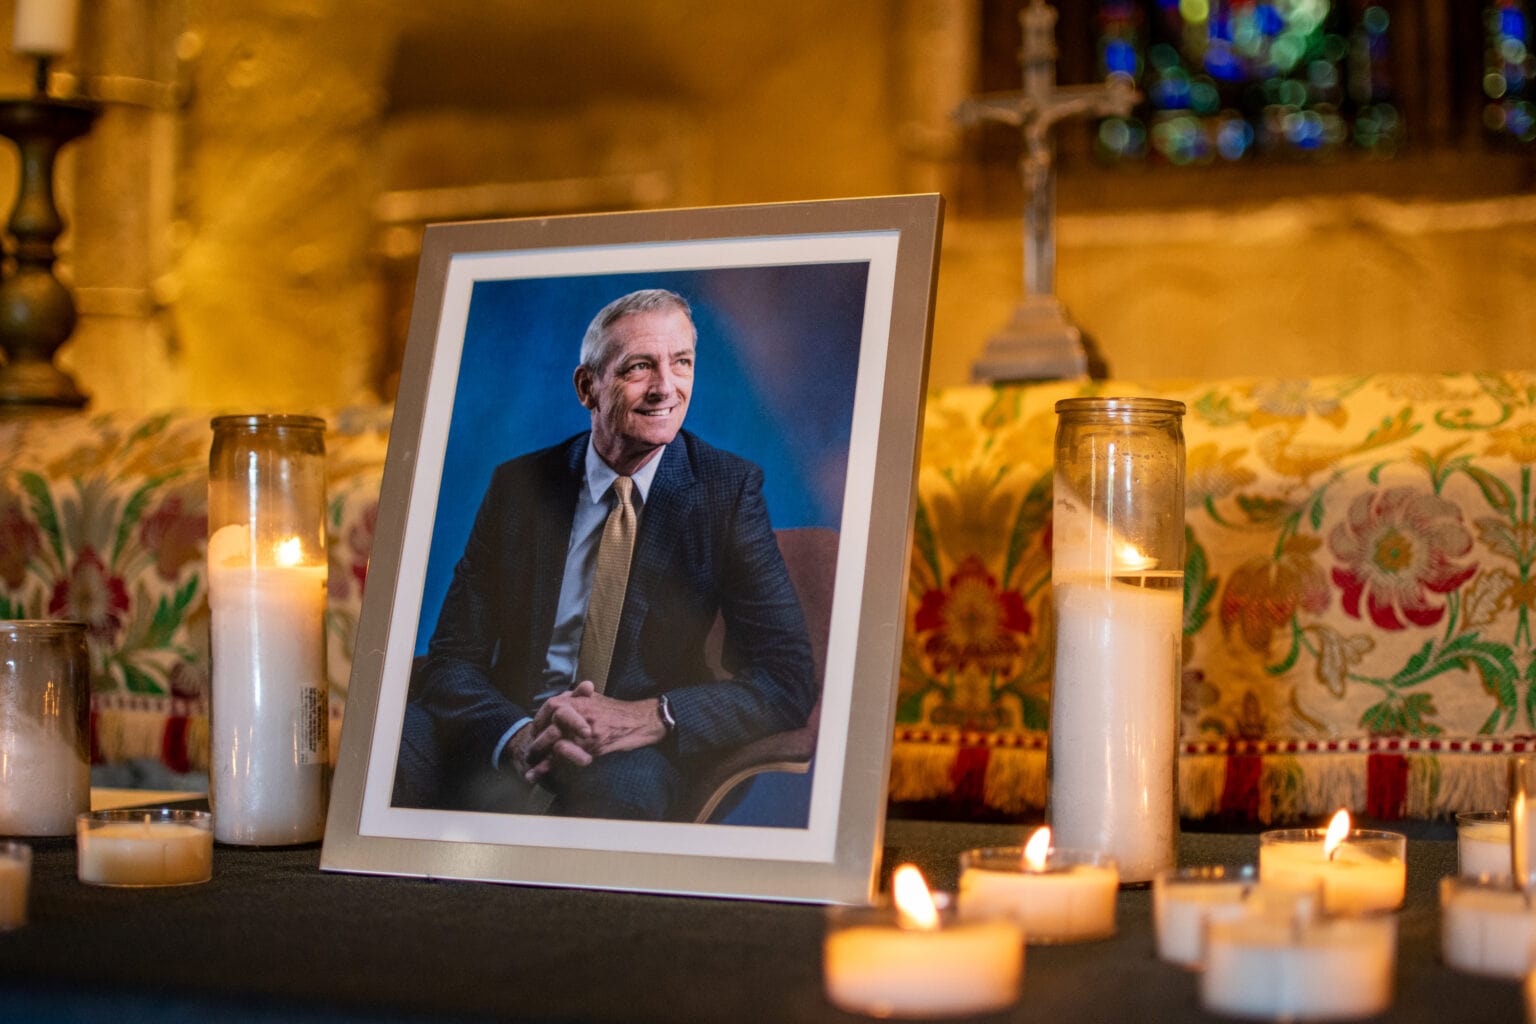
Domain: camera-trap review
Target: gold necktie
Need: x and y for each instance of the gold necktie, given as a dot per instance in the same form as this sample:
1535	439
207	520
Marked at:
609	582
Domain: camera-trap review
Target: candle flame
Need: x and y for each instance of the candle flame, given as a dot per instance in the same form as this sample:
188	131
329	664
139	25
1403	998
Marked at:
1338	829
914	903
1128	557
290	552
1035	850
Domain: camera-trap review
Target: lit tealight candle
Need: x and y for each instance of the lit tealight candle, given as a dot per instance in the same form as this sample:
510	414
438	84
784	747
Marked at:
143	848
1486	927
15	880
1299	966
1055	895
912	960
1482	843
1360	869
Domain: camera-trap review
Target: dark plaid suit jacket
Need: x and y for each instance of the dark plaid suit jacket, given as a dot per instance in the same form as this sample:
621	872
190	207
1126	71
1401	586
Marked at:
705	549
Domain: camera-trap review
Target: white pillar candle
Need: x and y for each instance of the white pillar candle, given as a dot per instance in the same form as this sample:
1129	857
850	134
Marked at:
1055	895
1363	870
884	962
1184	899
144	848
44	27
1113	748
269	720
15	879
1486	927
1482	844
1267	968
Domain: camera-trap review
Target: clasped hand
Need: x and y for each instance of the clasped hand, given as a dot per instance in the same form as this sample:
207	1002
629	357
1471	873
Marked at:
574	727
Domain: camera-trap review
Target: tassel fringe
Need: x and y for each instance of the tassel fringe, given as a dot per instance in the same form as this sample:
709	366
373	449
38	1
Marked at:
1291	787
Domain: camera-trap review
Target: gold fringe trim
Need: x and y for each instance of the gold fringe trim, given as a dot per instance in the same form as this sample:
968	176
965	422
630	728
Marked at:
921	771
123	735
1202	780
1015	780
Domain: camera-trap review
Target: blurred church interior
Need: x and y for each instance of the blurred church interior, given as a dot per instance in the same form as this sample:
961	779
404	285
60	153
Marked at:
1305	188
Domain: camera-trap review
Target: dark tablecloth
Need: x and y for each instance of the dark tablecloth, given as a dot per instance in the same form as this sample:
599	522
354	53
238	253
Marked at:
271	938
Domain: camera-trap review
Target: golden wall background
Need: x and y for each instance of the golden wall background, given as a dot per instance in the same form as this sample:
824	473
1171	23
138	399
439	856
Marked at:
244	216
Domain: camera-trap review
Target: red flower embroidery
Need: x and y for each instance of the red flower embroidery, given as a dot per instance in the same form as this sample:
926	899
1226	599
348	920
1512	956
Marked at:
1262	595
349	562
91	595
18	543
173	536
1395	545
972	622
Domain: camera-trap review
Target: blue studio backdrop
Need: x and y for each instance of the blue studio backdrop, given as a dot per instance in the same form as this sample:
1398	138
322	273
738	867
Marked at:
774	382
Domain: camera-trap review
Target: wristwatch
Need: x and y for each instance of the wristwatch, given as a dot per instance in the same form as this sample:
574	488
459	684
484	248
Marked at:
664	711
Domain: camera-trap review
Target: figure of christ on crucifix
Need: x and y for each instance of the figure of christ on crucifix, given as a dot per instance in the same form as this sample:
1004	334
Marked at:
1041	342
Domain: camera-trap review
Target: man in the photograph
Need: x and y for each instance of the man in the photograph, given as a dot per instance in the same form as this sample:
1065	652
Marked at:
568	672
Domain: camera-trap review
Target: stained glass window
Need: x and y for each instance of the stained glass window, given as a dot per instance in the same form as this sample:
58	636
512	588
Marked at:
1231	80
1507	66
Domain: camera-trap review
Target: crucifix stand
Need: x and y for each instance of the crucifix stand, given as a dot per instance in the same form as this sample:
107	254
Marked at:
1041	342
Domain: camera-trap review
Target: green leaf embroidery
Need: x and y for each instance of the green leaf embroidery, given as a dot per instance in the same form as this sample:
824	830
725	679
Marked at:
44	511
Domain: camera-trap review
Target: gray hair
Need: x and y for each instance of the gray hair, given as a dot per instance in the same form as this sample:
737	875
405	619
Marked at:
597	343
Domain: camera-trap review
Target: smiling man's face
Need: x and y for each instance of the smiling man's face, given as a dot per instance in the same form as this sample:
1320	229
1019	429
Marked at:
639	399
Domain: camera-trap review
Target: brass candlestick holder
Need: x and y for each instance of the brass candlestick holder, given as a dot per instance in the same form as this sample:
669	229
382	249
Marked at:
37	313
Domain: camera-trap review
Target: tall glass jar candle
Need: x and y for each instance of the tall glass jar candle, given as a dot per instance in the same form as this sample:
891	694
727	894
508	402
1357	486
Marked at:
266	594
1117	580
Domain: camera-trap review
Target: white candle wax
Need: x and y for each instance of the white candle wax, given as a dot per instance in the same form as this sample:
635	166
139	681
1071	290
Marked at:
269	718
1065	902
954	970
44	26
45	780
1482	844
1114	719
1363	874
1486	928
121	851
1182	903
15	879
1324	969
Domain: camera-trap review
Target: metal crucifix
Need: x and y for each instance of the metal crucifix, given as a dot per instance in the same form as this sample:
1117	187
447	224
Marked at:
1041	342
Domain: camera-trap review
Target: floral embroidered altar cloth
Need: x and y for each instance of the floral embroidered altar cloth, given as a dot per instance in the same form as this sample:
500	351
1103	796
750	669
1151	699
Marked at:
1358	596
1358	588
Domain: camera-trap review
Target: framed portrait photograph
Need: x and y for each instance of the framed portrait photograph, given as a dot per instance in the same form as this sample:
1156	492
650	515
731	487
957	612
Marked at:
634	609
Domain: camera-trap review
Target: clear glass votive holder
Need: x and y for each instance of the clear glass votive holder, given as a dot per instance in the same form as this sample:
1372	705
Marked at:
1367	872
1482	844
1487	926
45	726
15	881
1184	899
1071	898
876	964
141	848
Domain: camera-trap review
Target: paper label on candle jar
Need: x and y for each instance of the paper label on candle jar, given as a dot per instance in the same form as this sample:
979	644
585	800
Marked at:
314	727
